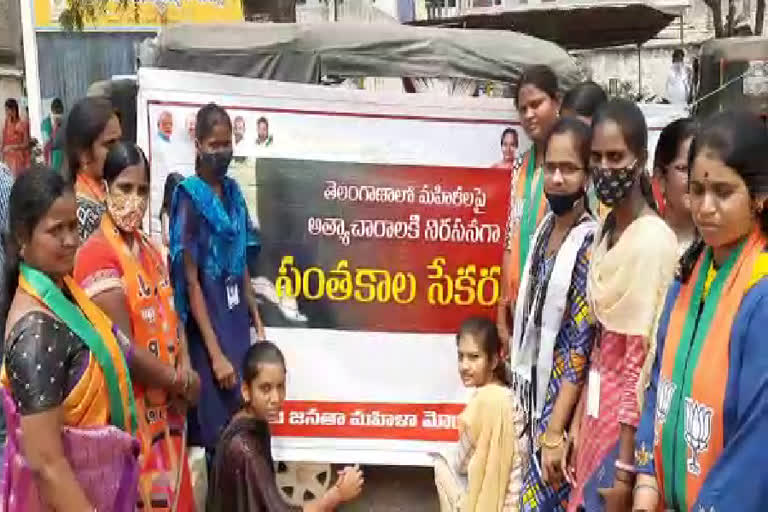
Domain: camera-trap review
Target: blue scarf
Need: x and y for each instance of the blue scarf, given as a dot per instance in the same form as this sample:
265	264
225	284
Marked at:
231	235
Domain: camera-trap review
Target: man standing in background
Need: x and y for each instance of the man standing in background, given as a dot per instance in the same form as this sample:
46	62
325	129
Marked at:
679	80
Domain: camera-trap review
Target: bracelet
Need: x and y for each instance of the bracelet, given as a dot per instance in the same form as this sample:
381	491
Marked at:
629	468
543	442
646	486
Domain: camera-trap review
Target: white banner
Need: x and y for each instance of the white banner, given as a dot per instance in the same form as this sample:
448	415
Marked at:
403	387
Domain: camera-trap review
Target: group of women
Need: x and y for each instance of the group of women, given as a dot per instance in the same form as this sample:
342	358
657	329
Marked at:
625	371
626	366
107	353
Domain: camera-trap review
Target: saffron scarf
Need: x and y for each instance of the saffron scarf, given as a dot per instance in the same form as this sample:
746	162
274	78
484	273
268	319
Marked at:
527	194
694	372
86	186
91	325
164	482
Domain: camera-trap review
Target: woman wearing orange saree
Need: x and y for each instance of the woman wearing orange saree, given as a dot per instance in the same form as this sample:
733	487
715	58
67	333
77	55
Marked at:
125	275
538	103
16	151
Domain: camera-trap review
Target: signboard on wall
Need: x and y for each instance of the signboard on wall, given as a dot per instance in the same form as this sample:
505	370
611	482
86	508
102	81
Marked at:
141	15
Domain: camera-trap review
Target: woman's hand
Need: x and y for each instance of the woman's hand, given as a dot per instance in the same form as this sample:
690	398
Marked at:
567	463
617	498
646	494
192	388
553	460
223	371
350	483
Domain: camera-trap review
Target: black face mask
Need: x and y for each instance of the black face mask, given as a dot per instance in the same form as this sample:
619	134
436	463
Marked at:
217	161
562	204
613	185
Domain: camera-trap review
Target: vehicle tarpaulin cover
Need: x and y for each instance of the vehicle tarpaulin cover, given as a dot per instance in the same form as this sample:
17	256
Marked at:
304	53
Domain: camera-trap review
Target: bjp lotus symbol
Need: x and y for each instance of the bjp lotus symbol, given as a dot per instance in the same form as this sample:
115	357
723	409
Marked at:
698	430
663	401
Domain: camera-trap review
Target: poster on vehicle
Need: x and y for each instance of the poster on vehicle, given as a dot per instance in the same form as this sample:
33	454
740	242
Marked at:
382	219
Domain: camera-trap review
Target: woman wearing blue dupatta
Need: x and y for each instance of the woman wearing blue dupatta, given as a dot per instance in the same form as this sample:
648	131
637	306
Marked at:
210	234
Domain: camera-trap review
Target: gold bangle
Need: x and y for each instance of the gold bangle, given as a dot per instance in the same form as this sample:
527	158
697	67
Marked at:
543	442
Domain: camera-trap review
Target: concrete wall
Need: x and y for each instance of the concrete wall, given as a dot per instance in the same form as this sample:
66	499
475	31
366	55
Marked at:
363	11
10	33
11	61
656	55
648	78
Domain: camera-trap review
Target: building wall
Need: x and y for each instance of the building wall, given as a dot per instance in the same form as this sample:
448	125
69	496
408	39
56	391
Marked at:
656	55
10	34
362	11
648	78
11	61
71	62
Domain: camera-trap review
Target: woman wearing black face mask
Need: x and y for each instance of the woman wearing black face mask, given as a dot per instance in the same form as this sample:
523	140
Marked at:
553	333
210	234
632	265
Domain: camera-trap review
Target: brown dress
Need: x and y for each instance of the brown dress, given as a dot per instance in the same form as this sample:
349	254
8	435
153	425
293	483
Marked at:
243	476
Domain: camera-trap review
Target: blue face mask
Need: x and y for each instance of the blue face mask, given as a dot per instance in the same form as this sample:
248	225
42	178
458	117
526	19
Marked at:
217	161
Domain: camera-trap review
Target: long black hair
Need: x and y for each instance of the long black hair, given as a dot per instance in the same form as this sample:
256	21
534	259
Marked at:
630	119
121	155
171	182
484	331
670	139
87	119
207	118
32	195
740	141
584	99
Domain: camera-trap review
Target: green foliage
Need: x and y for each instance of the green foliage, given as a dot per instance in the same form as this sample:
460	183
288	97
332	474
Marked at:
79	13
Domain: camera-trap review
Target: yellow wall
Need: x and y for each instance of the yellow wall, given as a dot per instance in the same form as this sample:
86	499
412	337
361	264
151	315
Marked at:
149	14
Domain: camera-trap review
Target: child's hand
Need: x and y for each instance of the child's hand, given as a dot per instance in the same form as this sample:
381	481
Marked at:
350	483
